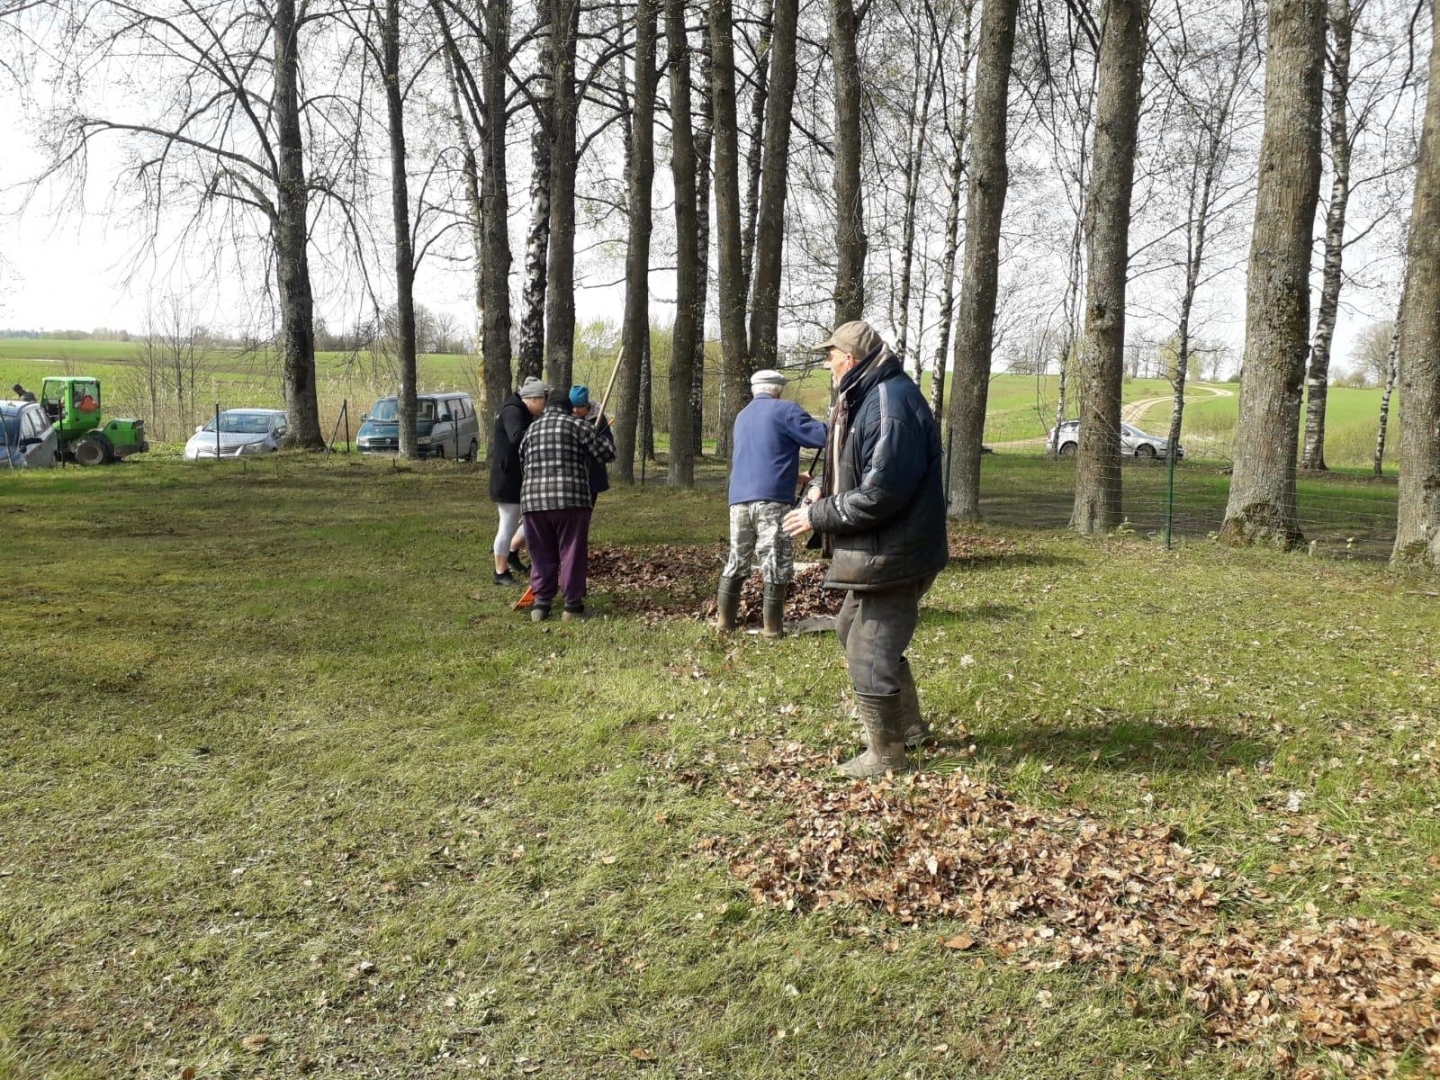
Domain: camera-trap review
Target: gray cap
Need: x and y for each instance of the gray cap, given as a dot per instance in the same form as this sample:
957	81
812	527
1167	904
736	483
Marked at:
533	388
767	377
858	339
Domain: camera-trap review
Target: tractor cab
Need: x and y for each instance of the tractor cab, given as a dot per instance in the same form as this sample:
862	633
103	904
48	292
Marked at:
73	405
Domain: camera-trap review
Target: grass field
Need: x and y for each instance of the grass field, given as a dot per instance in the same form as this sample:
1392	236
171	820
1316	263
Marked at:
287	790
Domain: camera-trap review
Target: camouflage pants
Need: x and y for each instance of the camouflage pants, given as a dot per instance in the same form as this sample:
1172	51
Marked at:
756	535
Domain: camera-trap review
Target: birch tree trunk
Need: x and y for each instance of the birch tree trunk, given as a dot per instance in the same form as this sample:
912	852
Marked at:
960	134
530	348
734	363
560	273
850	240
635	331
1262	508
1417	535
759	96
1392	371
682	169
704	143
292	237
470	182
770	218
1317	379
1107	237
984	210
400	221
495	265
914	165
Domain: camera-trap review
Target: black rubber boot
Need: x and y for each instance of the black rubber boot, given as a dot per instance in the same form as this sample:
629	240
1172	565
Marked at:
884	720
917	731
727	603
518	567
773	611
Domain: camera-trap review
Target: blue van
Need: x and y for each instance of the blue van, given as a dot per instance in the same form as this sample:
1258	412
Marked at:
445	426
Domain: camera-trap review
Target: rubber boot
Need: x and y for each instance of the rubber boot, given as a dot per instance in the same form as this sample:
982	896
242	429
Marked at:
727	604
884	720
774	610
917	731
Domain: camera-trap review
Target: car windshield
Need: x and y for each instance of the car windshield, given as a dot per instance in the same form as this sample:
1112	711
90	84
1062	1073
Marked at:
387	410
242	423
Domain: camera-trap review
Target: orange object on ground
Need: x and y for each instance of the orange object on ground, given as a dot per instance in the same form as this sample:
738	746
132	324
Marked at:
528	600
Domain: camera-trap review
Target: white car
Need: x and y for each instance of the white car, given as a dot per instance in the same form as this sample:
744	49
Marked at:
1132	441
27	438
242	432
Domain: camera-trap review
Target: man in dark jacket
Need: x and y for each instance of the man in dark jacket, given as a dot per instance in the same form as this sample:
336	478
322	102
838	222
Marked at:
769	434
511	422
882	506
557	453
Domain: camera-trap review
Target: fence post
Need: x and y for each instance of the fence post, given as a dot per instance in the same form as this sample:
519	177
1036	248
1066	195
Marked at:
1169	494
217	431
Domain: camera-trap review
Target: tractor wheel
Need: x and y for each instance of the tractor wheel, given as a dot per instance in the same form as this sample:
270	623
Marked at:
92	451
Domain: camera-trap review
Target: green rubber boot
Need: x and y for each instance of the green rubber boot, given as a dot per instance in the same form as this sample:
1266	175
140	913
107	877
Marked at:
774	610
884	720
727	604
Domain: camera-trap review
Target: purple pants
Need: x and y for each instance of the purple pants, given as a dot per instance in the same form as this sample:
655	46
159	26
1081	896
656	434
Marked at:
559	542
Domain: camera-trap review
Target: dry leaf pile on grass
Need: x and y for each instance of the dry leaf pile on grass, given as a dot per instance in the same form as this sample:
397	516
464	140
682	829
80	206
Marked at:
1044	888
676	581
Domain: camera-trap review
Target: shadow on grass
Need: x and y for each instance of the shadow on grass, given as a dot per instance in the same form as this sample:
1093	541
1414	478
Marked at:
1011	559
1126	746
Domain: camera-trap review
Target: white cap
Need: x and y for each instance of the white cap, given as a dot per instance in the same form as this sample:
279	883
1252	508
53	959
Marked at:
767	377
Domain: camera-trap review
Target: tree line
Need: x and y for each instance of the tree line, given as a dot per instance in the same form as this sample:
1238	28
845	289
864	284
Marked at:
964	173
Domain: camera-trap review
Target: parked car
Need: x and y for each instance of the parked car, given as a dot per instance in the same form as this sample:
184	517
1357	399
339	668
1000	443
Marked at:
27	438
242	432
1133	441
445	426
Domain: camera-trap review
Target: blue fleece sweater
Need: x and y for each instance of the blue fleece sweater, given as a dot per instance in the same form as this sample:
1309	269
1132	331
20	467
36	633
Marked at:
769	433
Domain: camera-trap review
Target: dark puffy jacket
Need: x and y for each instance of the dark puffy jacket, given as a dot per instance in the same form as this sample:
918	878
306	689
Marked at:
887	516
510	424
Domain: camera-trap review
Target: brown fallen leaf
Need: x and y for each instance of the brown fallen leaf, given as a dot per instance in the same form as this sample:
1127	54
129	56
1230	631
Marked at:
641	1054
254	1044
959	941
187	1073
609	860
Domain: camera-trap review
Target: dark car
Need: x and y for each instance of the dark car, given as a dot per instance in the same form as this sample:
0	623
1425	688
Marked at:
27	438
445	426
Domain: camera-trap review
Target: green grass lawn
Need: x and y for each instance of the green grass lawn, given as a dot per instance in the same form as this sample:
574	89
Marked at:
286	789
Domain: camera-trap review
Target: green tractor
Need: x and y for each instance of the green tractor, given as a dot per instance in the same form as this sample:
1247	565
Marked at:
73	405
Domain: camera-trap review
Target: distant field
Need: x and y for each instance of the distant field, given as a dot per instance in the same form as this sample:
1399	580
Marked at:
1020	407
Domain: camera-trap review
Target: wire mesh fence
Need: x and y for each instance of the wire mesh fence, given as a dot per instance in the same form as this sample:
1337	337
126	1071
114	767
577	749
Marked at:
1340	514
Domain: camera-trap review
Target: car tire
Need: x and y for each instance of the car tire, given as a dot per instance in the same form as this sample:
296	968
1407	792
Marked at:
439	452
1145	452
1068	449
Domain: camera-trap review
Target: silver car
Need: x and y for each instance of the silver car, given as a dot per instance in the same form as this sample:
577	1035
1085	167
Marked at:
242	432
1132	441
27	438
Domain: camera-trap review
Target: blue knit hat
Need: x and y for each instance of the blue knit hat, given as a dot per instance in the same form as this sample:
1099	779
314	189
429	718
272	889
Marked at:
579	397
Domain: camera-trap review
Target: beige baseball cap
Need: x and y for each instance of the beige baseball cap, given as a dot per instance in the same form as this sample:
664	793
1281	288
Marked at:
857	338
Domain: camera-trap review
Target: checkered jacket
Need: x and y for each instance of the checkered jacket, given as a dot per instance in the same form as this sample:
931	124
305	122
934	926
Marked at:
556	454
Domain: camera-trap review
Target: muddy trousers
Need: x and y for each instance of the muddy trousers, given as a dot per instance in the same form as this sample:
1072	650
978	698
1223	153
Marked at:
875	628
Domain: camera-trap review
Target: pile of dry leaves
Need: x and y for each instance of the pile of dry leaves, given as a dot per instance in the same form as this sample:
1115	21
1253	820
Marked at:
679	581
1042	888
